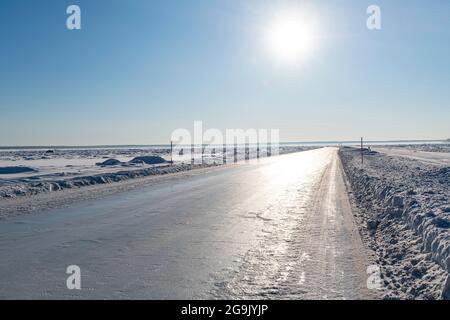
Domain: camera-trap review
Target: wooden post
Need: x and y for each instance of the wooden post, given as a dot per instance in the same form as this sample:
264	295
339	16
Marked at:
247	151
257	149
224	151
203	152
362	153
171	152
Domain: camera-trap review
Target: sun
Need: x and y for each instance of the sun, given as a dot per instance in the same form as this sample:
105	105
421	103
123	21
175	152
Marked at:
291	37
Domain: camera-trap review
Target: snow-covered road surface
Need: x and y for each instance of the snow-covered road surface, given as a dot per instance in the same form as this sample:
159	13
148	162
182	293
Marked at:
277	228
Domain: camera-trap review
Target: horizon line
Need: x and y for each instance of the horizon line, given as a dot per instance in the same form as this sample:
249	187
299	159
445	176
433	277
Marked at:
161	145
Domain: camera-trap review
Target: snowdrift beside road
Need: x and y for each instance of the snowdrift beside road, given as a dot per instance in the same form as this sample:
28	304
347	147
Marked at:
14	170
396	195
30	188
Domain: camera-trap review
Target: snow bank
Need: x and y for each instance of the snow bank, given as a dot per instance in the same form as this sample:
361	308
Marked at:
148	160
28	187
14	170
396	194
109	162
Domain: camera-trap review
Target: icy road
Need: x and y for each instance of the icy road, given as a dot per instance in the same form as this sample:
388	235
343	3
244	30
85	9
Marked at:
276	228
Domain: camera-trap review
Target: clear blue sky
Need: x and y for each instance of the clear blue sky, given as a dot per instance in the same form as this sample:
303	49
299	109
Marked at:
137	70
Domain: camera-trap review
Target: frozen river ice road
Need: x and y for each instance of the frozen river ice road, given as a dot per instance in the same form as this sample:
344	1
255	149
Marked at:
275	228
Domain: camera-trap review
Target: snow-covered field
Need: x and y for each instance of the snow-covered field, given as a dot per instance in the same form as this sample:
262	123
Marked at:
404	210
33	171
427	147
